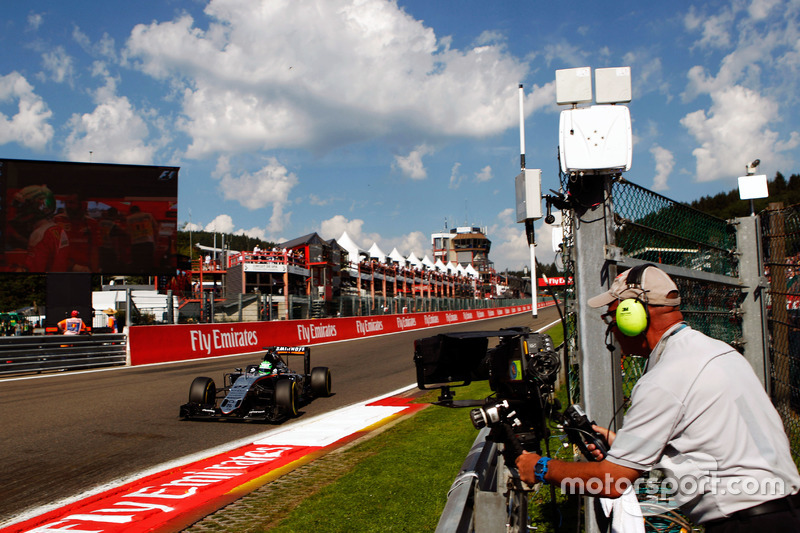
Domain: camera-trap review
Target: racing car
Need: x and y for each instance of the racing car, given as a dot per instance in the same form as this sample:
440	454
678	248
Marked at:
268	391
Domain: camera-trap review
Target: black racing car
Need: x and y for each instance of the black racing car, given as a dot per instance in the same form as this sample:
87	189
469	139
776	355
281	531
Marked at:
268	392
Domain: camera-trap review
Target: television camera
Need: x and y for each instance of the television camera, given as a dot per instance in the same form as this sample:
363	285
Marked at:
521	369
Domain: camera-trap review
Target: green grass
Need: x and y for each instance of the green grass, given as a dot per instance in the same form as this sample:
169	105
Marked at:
402	484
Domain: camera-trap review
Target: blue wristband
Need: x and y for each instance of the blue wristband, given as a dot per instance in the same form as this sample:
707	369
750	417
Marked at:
540	470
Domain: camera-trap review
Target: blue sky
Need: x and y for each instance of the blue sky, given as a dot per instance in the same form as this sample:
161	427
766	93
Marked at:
386	119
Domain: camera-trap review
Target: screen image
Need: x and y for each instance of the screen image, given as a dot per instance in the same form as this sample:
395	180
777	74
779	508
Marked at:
87	217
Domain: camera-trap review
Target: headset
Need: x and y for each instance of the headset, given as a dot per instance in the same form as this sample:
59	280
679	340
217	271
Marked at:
632	315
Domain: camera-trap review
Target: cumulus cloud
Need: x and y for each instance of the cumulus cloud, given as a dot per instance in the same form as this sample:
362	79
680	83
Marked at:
755	81
485	174
455	176
665	162
734	131
268	186
715	29
415	241
29	126
58	65
221	224
266	75
411	165
113	132
35	20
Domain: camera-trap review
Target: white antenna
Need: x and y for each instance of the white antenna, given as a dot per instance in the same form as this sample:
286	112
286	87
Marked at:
521	128
529	200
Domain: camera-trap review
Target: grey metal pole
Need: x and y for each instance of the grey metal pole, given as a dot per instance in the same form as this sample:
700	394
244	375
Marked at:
170	310
128	306
751	273
599	370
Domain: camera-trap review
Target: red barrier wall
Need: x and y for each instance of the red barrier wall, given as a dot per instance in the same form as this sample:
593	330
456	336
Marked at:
160	344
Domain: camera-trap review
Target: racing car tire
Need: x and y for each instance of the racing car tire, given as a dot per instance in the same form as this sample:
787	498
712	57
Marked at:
286	396
203	391
321	381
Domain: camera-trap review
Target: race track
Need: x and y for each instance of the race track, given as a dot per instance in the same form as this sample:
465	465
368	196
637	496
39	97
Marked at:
66	433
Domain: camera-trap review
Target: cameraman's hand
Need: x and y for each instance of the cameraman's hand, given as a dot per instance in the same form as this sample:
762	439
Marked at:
608	435
525	465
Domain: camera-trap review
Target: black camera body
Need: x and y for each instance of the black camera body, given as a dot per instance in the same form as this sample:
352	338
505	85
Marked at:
521	369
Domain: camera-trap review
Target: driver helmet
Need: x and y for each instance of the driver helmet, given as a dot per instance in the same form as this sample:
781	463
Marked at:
34	202
265	367
74	314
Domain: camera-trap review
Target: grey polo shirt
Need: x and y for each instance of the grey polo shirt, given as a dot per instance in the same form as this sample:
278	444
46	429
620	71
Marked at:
700	413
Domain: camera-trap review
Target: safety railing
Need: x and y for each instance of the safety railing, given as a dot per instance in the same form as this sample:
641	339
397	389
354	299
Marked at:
37	354
478	474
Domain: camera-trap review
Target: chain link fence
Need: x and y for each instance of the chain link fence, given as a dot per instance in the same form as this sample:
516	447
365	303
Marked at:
698	250
780	238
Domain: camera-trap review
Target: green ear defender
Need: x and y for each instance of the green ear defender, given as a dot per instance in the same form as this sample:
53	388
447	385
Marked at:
632	316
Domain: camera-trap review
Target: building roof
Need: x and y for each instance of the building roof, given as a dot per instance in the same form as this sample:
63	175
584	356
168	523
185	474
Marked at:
311	238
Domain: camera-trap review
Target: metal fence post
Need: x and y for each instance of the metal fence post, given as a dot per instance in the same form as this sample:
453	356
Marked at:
128	306
599	369
751	273
170	308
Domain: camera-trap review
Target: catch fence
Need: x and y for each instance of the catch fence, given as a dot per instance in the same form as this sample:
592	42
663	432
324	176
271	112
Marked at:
780	236
614	225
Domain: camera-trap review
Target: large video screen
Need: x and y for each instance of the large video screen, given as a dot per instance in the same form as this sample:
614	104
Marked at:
87	217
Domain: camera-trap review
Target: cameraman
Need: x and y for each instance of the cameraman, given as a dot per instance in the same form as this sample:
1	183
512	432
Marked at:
699	412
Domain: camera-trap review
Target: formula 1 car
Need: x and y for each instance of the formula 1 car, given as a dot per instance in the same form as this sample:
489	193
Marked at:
268	392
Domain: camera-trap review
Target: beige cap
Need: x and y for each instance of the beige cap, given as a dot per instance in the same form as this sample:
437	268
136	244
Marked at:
655	286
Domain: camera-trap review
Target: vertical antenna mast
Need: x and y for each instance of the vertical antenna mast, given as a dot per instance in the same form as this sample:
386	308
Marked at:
521	128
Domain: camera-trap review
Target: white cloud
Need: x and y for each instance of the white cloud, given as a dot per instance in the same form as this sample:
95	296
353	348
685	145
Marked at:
113	132
415	241
59	65
221	224
411	165
754	88
270	185
455	177
35	20
665	162
737	130
485	174
715	29
105	47
266	74
29	125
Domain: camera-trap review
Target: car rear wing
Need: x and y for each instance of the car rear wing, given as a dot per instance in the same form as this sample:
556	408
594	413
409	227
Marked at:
304	351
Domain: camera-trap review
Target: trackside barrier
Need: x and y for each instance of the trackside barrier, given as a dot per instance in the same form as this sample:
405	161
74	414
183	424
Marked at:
40	353
180	342
477	473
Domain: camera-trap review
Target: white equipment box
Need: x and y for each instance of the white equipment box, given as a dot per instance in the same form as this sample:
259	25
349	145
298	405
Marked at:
528	186
597	138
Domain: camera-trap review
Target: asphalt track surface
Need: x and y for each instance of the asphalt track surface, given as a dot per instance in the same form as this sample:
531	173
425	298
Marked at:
65	433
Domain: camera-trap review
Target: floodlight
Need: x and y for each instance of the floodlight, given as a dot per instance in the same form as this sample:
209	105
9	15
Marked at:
751	187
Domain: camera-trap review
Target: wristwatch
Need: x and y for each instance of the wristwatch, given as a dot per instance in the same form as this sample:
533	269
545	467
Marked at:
540	469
